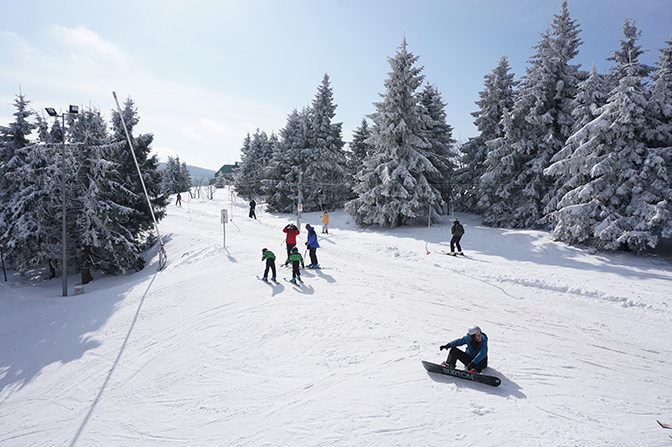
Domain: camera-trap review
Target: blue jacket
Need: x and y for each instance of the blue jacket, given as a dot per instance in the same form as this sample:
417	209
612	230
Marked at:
477	351
312	238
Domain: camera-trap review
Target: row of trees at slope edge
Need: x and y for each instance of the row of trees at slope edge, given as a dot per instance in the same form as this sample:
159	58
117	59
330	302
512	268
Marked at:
584	154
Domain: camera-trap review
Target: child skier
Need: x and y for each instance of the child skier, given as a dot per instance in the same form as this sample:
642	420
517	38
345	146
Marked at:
295	258
325	222
269	257
476	355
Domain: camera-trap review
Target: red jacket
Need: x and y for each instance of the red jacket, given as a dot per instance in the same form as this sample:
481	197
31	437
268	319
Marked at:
292	232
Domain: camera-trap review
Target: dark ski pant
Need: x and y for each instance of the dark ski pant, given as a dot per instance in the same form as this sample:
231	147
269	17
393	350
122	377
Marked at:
313	255
289	249
252	213
455	241
270	264
456	354
295	269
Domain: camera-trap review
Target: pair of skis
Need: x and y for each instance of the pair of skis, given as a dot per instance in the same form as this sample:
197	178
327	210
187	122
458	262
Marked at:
452	253
272	281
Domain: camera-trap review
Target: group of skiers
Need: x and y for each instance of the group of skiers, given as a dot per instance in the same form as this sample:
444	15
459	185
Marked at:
293	256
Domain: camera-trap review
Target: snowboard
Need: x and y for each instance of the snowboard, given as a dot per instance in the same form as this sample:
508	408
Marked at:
461	374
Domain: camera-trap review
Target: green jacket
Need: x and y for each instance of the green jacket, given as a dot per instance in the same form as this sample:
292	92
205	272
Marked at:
295	257
268	255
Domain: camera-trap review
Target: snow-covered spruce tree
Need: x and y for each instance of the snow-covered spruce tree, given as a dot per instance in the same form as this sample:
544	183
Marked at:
394	186
659	129
627	54
98	232
570	174
659	114
324	175
175	177
256	154
358	151
281	175
14	180
624	204
542	122
496	98
130	193
441	151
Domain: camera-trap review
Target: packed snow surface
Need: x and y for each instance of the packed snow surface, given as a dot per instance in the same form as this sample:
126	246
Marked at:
203	354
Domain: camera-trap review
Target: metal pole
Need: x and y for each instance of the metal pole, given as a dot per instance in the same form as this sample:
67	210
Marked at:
299	205
162	252
63	233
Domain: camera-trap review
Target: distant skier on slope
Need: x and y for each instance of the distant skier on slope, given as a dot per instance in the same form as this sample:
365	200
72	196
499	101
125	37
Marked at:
476	356
253	205
457	230
292	231
295	258
269	257
325	222
312	247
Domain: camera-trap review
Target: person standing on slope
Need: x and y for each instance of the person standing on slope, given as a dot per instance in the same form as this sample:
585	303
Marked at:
457	230
295	258
292	231
269	257
476	356
312	247
325	222
253	205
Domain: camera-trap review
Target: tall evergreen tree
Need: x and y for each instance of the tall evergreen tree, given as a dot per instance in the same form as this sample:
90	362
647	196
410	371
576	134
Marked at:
496	99
14	181
281	182
130	193
624	200
394	187
359	151
659	131
540	125
256	154
324	162
441	151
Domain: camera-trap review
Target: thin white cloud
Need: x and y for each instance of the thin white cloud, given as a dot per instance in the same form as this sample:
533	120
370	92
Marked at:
86	45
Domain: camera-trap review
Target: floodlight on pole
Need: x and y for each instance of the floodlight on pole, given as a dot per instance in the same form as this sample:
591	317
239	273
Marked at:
52	112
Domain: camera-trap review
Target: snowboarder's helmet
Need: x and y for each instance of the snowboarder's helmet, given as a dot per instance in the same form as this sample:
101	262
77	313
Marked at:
474	330
263	250
295	250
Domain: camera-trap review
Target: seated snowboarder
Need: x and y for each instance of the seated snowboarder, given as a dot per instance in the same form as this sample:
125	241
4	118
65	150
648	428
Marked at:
476	356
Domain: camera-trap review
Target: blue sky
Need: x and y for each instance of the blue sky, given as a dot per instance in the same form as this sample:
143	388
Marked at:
205	73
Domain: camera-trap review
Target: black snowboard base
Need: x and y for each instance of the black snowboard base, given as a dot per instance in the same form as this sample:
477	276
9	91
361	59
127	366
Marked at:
462	374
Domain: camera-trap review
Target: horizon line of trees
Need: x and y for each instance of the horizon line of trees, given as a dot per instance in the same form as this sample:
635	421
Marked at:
109	222
583	154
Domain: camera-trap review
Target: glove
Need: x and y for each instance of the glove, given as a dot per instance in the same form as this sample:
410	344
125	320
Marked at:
471	366
446	346
306	243
285	264
302	266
